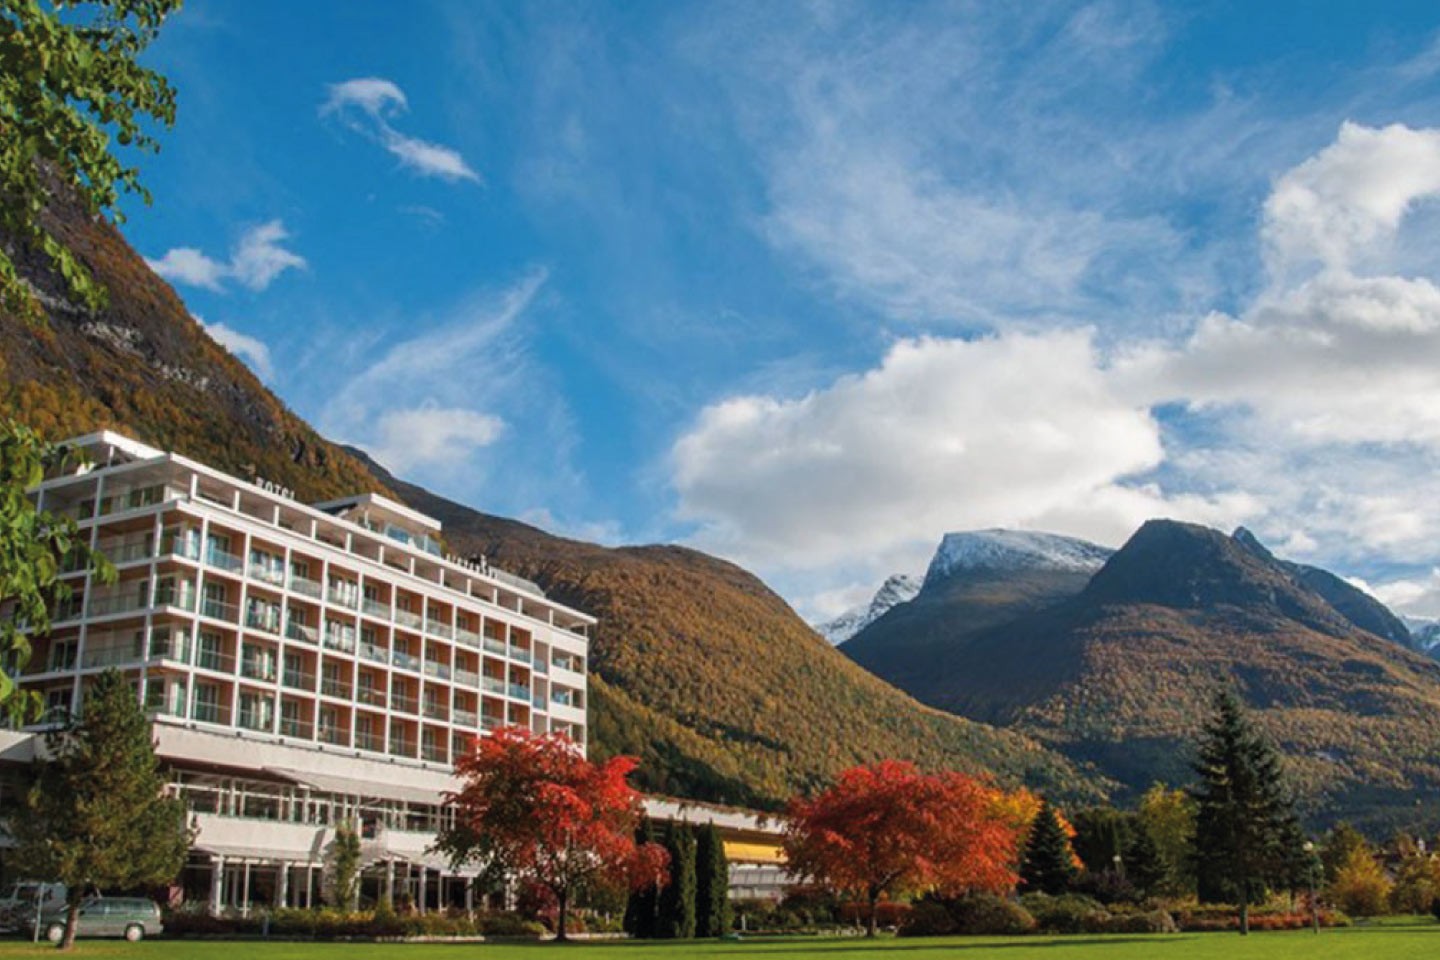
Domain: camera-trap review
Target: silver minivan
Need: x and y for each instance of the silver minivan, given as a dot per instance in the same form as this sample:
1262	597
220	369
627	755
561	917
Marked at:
133	918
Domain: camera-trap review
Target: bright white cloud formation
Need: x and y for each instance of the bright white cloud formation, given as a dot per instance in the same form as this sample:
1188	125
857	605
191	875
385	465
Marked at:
419	436
946	434
365	105
248	348
257	258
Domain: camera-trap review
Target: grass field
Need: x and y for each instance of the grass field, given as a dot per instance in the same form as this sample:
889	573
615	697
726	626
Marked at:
1404	940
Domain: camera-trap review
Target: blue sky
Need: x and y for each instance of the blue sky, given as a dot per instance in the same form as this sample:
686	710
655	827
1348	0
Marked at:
807	285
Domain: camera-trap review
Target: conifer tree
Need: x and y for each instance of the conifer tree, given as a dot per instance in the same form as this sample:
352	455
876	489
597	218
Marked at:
1243	811
676	914
1046	864
342	868
96	816
712	884
1145	866
642	907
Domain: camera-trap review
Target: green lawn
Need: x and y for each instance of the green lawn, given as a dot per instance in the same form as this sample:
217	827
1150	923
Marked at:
1415	939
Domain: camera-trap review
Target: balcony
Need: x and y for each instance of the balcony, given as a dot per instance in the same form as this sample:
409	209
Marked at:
540	664
222	560
437	629
264	619
110	655
405	661
335	688
520	692
258	669
440	671
335	735
206	713
491	723
106	605
468	637
521	654
538	702
296	680
305	586
403	704
435	710
299	729
344	596
267	574
494	646
118	552
492	685
374	652
298	631
214	660
220	610
434	753
467	678
407	619
466	718
336	641
253	720
402	747
370	741
374	608
370	696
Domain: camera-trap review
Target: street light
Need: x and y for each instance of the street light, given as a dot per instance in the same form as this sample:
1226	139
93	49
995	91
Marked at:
1310	872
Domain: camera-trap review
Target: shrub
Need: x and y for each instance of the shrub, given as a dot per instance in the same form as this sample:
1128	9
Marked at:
1360	886
929	918
509	925
1152	921
1062	914
887	913
974	914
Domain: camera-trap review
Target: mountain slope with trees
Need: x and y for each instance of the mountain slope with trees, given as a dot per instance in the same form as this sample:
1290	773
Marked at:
701	671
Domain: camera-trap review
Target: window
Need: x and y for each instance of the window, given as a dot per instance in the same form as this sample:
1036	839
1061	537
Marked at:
207	702
62	654
209	653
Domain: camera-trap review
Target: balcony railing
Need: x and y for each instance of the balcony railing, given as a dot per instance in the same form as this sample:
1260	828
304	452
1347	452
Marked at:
344	597
435	711
214	660
466	718
335	688
468	637
405	661
494	646
305	586
437	629
267	574
296	680
538	702
540	664
402	747
492	685
258	670
375	608
370	696
105	605
488	722
335	641
298	631
335	735
374	652
438	670
519	653
520	692
223	560
434	753
467	678
120	551
206	713
110	655
263	619
253	720
220	610
404	704
370	741
300	729
407	619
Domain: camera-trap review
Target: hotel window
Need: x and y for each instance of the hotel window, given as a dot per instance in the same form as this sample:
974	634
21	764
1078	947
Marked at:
207	702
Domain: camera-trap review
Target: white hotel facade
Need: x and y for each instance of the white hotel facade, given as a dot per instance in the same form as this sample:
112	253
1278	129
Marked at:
303	666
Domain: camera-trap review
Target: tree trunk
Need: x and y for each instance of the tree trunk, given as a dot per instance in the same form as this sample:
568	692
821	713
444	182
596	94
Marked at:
1245	913
874	909
72	923
562	902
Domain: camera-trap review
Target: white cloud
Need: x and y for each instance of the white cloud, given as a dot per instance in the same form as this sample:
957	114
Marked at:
1415	597
257	258
409	438
424	402
364	104
1336	207
946	434
242	345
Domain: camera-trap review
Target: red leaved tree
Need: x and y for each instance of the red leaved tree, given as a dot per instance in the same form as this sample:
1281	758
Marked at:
887	829
532	808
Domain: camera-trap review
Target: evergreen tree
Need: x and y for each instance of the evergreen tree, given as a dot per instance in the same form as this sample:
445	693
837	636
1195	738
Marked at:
1100	834
1243	812
1046	863
97	816
342	868
712	884
642	908
676	913
1145	866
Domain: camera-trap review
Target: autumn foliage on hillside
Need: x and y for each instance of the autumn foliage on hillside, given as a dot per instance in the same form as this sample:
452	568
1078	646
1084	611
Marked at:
888	829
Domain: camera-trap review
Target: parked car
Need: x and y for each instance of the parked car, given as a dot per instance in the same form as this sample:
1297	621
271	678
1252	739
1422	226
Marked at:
27	899
133	918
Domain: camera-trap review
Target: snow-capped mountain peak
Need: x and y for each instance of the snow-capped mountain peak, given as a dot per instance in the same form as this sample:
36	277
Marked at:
1000	549
899	588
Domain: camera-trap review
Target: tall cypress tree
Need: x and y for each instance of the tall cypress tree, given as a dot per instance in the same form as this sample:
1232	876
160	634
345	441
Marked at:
1244	819
712	884
676	915
642	908
1046	865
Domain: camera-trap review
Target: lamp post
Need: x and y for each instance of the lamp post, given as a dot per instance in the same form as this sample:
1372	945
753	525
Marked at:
1310	873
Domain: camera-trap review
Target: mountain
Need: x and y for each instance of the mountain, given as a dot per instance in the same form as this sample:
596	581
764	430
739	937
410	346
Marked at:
1424	635
1120	674
977	580
697	668
1352	603
897	589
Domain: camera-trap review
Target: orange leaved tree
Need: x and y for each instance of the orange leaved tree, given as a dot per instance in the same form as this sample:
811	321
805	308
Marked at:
532	808
887	829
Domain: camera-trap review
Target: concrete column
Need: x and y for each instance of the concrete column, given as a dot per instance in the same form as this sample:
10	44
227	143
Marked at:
245	891
469	896
282	885
390	882
217	884
424	878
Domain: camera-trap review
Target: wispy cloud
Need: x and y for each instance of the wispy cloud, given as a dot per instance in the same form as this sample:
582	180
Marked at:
256	260
366	104
248	348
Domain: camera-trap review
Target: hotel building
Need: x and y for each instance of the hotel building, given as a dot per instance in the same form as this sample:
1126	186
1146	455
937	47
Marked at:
304	665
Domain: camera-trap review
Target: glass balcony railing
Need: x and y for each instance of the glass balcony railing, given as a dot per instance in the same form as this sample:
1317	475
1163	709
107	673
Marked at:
214	660
299	729
437	629
407	619
370	696
466	718
206	713
492	685
111	655
370	741
405	661
435	710
263	618
374	652
520	692
266	573
119	551
298	631
468	637
335	735
223	560
403	704
343	596
375	608
467	678
402	747
296	680
335	688
220	610
258	670
305	586
494	646
440	671
540	664
489	722
434	753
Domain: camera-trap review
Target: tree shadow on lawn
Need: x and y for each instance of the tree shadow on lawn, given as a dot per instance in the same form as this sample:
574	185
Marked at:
950	945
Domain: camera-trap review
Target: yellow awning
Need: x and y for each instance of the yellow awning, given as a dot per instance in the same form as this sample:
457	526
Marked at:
738	852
